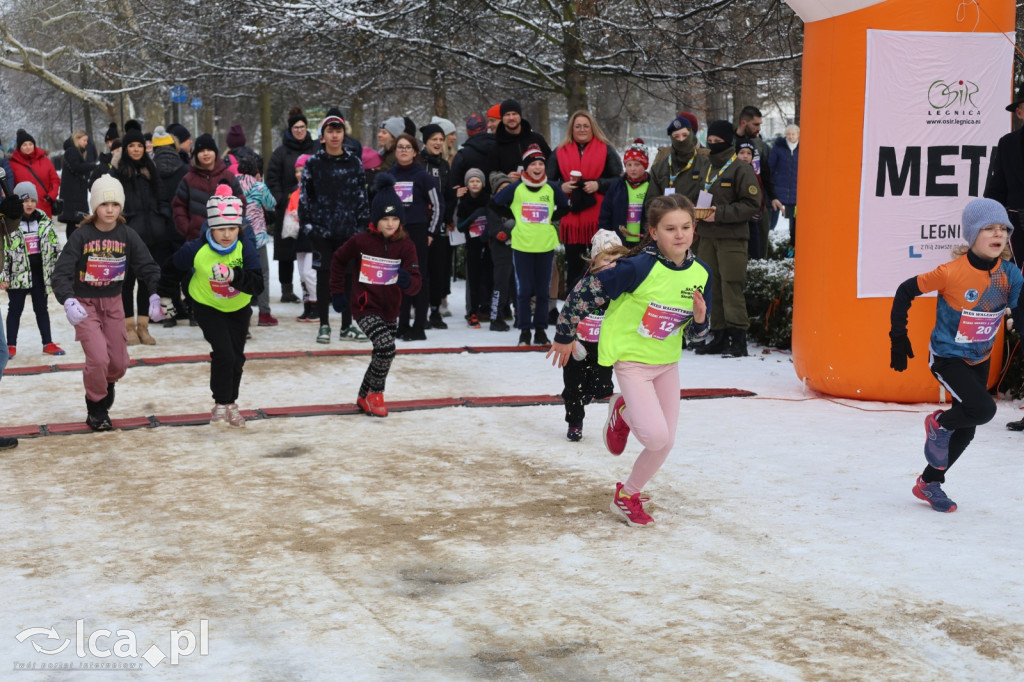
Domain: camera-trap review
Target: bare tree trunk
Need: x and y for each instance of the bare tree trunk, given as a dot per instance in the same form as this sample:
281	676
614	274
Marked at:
543	123
355	115
266	125
572	61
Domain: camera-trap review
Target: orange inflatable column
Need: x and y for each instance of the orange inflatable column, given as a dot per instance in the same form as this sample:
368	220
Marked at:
840	340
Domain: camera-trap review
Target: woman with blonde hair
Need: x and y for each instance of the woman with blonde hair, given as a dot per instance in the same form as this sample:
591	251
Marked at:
585	165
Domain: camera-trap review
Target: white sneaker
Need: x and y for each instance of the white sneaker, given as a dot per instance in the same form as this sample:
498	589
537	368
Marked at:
234	417
219	415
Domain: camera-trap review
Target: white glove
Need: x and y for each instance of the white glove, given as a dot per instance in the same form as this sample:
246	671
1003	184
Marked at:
222	273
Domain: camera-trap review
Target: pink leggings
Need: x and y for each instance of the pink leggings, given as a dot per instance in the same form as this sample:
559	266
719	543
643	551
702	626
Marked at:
651	393
105	342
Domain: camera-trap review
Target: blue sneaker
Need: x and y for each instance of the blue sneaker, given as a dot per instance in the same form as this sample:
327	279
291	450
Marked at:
933	495
936	448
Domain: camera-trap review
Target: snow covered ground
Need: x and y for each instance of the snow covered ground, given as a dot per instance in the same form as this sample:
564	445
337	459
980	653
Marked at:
476	543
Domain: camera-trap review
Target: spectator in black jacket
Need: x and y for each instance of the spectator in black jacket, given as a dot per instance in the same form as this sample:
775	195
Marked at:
79	163
1005	182
332	208
281	181
512	138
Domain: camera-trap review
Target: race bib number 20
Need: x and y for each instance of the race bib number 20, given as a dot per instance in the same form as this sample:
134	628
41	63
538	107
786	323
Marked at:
977	327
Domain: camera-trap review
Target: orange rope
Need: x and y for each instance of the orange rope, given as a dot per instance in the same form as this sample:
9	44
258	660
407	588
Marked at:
832	400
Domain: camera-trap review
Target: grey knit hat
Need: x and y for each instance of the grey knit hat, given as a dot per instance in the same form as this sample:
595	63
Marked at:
26	190
394	125
981	213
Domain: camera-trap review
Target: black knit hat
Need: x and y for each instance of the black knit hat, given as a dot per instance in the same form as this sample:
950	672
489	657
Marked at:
132	124
410	127
21	137
179	131
385	201
133	135
204	141
722	129
112	133
430	130
510	105
295	116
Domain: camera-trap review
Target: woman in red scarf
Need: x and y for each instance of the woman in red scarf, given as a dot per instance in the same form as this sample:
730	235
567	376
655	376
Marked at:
586	150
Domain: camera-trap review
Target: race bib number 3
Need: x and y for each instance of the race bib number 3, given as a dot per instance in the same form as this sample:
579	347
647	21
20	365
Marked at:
32	244
103	270
373	270
589	328
662	321
978	327
535	213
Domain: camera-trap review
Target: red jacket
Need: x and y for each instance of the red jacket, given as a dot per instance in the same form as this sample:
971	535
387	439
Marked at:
380	299
40	163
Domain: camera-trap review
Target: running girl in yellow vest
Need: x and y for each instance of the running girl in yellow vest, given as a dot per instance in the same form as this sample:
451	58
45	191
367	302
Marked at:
656	296
226	274
535	203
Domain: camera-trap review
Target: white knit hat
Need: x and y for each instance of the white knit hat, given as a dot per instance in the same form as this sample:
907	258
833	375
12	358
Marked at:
602	240
447	126
224	209
107	188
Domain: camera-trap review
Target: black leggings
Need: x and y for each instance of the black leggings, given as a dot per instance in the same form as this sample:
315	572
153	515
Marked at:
382	334
972	406
225	332
17	305
584	380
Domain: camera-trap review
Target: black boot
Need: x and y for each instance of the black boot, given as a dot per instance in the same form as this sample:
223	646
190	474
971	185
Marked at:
435	321
288	294
715	346
736	346
97	419
108	402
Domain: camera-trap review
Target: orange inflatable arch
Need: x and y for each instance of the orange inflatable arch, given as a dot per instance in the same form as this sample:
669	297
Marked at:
840	341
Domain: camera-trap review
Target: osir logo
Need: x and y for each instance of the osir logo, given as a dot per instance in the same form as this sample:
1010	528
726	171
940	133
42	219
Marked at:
956	93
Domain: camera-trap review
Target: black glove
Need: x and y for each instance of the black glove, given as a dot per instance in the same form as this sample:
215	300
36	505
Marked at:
900	351
404	278
340	302
12	208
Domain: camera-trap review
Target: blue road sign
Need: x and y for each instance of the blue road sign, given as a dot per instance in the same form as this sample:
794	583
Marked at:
196	103
179	94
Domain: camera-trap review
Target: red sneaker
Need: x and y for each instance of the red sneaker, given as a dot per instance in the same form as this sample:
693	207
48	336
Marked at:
267	320
631	509
616	430
373	405
51	349
11	352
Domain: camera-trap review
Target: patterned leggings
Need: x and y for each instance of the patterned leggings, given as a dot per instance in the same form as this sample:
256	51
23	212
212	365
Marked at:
382	334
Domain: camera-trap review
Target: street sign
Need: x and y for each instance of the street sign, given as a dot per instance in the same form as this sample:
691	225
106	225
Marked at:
196	103
179	94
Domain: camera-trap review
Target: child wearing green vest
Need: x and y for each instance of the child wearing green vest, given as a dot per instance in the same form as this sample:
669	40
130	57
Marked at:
226	274
622	210
654	297
535	204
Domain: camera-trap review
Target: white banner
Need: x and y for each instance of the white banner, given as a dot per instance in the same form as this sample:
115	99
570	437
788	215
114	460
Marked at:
934	109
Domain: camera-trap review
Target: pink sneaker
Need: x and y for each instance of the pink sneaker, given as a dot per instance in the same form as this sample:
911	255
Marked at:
631	509
616	430
219	415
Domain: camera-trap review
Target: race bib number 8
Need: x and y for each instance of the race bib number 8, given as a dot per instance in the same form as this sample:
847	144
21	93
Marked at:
535	213
373	270
662	321
978	327
634	212
102	270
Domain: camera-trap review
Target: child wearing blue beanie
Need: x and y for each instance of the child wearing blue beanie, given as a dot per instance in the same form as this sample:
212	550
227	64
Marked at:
975	289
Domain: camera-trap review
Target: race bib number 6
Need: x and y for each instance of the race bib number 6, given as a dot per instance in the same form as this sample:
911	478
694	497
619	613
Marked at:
662	321
978	327
374	270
